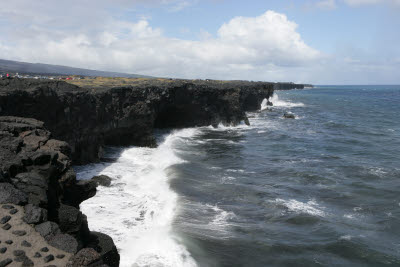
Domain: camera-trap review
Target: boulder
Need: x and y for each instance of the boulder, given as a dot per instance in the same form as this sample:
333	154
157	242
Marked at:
34	215
69	218
48	229
104	245
102	180
289	116
9	194
85	257
64	242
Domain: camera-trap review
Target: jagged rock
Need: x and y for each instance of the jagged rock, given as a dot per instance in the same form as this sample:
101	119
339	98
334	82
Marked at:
289	116
89	119
102	180
104	245
9	194
84	257
34	215
69	218
64	242
48	229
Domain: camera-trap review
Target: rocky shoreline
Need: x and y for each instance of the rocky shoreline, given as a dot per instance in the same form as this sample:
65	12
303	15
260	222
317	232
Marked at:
39	202
45	126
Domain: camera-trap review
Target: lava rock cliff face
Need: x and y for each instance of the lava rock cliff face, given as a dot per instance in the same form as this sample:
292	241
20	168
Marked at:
88	118
35	173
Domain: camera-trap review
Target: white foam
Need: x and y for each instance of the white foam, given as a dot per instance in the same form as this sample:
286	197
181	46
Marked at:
345	237
281	103
139	209
221	216
311	207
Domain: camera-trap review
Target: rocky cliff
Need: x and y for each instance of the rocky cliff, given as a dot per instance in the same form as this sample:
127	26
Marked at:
39	198
88	118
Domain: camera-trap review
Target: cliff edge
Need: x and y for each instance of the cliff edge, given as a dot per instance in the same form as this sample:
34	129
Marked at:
88	118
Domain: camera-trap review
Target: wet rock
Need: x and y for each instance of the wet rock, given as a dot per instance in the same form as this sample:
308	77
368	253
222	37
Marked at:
64	242
102	180
19	233
6	227
84	257
26	244
3	250
48	258
9	194
5	262
48	229
269	103
5	219
289	116
34	215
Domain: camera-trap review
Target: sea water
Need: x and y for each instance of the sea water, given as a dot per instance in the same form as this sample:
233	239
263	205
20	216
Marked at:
319	190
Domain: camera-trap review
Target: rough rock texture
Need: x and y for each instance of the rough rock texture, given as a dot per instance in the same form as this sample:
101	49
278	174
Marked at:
36	174
87	119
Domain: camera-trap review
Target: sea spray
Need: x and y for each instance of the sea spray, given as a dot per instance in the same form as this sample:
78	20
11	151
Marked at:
139	208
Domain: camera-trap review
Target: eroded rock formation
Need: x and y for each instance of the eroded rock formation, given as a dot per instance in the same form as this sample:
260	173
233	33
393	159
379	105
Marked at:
35	174
89	118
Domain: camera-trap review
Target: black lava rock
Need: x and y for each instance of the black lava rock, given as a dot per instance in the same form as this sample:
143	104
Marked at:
34	215
5	219
48	258
45	249
3	250
19	233
13	211
7	207
5	262
48	229
9	194
26	244
6	227
9	242
37	255
18	253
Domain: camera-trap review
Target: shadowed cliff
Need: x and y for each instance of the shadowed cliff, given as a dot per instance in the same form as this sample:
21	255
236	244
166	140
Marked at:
90	116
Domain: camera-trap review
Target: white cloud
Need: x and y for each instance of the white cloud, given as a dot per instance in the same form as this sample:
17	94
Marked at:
245	48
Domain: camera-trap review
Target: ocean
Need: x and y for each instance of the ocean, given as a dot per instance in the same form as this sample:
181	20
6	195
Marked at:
319	190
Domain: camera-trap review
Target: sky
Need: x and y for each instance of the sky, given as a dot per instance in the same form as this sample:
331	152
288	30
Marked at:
305	41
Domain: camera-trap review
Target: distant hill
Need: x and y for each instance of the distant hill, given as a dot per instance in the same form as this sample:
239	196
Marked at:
47	69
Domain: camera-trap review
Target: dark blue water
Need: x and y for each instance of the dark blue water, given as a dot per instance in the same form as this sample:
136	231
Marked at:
319	190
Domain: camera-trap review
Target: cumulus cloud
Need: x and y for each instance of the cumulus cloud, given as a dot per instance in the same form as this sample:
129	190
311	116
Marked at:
262	47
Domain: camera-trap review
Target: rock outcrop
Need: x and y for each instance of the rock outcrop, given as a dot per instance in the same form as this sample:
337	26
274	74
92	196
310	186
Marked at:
37	182
89	118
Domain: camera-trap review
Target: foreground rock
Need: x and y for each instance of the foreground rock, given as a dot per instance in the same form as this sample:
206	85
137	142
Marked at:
289	116
40	218
87	119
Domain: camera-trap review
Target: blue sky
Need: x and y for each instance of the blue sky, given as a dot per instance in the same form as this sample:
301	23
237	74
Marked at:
315	41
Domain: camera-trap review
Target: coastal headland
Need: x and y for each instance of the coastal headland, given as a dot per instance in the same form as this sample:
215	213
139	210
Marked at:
46	126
